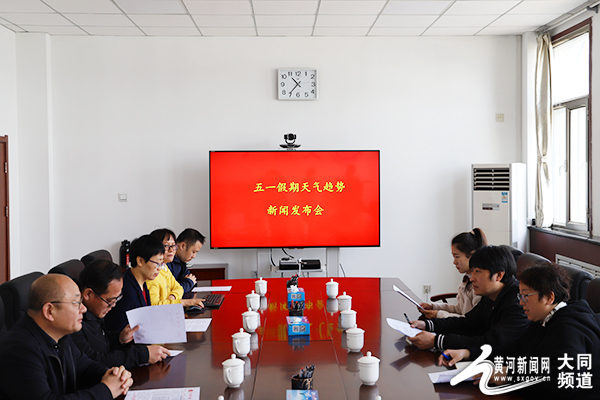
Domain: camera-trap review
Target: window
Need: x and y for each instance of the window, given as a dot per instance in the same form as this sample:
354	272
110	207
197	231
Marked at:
570	128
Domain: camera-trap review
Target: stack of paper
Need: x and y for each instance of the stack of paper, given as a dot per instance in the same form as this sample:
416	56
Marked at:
192	393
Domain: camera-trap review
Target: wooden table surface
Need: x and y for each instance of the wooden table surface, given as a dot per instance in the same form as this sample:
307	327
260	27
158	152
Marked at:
275	357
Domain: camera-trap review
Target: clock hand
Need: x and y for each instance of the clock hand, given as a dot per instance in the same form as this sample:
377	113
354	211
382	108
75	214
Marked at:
297	84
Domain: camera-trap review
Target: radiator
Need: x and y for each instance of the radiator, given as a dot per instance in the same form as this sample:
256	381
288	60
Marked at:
571	262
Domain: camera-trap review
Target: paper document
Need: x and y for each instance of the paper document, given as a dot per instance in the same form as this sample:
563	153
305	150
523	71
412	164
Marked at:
158	324
203	289
197	324
446	376
397	289
402	327
174	353
191	393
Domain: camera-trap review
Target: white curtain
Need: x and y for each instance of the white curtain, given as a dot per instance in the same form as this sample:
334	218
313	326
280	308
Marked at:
543	118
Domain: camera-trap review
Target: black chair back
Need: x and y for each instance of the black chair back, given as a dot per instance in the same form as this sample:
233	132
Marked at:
2	315
96	255
71	268
15	295
513	250
526	260
580	280
593	295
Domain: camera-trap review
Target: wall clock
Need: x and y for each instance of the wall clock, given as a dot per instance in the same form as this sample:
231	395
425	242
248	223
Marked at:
297	84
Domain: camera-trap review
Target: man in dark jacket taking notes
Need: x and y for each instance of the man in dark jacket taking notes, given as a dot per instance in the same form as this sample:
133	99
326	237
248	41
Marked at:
101	283
495	320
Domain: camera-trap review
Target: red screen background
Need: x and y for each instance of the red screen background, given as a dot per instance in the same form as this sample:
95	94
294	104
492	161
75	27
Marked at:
294	198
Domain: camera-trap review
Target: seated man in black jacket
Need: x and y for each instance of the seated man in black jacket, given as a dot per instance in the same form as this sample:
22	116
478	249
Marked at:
189	243
101	283
39	359
496	319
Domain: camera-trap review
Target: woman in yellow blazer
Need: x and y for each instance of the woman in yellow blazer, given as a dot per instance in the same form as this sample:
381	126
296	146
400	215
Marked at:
165	289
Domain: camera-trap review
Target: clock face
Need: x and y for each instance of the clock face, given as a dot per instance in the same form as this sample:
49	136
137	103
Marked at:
297	84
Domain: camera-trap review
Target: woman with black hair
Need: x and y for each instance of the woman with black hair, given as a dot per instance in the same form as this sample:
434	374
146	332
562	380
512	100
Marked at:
147	255
463	247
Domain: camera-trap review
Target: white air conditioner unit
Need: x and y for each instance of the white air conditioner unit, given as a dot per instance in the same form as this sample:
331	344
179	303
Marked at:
500	203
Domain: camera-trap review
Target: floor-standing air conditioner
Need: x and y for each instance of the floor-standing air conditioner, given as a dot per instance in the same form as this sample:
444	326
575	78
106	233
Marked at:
500	203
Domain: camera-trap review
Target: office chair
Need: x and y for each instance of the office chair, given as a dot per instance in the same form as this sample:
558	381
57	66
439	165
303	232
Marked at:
593	295
15	295
580	280
2	317
443	297
96	255
513	250
71	268
526	260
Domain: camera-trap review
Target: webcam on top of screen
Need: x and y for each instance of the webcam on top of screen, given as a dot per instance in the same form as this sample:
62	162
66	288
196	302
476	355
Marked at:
290	142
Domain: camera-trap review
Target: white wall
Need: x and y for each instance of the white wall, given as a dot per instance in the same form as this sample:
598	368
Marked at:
139	115
8	127
35	152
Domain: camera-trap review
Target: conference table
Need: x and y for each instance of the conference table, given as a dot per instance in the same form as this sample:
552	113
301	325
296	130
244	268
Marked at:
275	357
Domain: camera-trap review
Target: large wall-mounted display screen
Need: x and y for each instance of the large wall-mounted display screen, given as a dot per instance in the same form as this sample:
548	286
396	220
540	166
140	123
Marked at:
294	199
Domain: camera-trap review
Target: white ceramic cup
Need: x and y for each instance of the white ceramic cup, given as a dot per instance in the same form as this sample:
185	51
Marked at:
347	319
344	301
368	369
331	288
355	338
253	301
260	286
233	371
250	320
241	343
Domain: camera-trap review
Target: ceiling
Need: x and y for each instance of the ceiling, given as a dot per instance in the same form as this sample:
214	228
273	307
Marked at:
284	17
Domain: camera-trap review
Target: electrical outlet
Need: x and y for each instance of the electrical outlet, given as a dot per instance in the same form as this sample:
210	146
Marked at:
426	288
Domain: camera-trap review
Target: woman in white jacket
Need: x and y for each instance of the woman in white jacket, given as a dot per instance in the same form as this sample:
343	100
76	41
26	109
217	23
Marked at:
463	246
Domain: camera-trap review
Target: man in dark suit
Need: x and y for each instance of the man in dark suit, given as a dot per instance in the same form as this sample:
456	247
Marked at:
39	358
189	242
495	320
101	283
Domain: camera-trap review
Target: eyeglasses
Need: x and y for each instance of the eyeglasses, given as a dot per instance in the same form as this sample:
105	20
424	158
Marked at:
160	265
169	247
77	303
524	297
110	303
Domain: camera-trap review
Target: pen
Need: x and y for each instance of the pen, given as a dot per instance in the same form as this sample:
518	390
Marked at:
407	319
446	357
